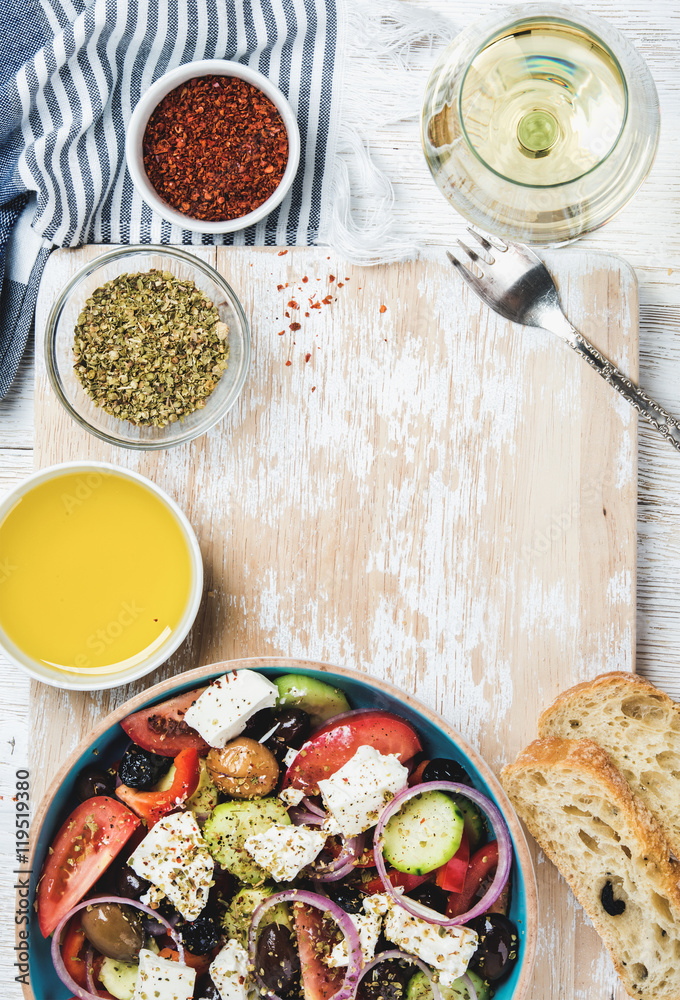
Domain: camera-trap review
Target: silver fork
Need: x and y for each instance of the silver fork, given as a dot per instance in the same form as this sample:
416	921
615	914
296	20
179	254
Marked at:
516	284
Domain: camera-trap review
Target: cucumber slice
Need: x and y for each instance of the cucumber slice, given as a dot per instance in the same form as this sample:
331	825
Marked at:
475	821
119	978
320	701
424	834
419	988
239	913
229	826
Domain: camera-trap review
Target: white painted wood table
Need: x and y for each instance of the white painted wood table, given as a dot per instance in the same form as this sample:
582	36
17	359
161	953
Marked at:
647	234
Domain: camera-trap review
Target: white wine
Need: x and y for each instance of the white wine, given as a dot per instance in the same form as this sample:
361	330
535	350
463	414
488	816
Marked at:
540	122
544	104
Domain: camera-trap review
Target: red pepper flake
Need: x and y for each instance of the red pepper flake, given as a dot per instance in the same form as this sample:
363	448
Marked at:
313	388
305	279
215	148
282	253
315	305
281	333
346	279
307	357
295	326
293	304
327	300
279	288
341	284
383	309
307	314
288	363
331	277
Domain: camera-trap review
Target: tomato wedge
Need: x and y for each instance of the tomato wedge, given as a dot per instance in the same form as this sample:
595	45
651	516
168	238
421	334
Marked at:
482	863
85	846
337	742
151	806
162	728
403	879
451	876
319	982
71	948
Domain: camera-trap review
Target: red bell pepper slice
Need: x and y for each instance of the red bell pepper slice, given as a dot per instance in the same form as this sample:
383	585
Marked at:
482	863
152	806
452	875
71	948
417	776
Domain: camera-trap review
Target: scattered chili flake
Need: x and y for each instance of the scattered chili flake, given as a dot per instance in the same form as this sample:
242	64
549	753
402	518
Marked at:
305	279
315	305
281	333
327	300
307	357
288	363
215	148
279	288
293	304
282	253
346	279
331	277
383	309
313	388
295	326
341	284
307	314
287	315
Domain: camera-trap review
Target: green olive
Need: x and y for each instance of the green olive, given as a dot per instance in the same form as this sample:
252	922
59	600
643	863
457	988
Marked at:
244	769
114	930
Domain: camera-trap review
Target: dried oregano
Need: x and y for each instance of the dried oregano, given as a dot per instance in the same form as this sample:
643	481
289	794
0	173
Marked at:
149	348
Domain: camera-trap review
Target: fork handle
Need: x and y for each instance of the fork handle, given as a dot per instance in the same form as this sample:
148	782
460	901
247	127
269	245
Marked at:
659	418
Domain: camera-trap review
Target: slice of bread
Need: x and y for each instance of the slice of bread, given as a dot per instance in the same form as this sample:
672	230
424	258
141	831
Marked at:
638	726
612	852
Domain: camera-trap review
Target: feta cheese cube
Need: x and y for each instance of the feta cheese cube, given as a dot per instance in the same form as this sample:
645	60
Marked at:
360	790
290	757
448	949
229	971
292	796
175	858
161	979
284	851
221	712
368	924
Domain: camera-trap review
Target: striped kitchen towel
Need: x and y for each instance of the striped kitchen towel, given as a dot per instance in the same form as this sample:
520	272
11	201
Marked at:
73	73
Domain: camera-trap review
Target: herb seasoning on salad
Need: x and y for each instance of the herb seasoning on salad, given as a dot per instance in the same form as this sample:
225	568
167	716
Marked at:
355	868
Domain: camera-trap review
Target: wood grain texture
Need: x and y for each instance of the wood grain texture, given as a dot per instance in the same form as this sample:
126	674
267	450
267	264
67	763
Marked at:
403	498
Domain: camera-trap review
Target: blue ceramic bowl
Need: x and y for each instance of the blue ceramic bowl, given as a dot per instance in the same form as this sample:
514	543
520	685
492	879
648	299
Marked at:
107	742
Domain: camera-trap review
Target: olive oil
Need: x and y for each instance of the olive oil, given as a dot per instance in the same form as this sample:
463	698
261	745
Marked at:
95	572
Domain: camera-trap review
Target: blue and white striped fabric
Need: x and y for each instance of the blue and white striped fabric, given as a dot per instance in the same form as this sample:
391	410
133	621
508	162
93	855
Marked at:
71	75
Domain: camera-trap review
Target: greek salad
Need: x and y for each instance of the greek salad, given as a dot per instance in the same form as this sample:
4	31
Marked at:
262	838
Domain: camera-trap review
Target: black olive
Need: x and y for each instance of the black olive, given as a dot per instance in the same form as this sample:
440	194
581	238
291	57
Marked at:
259	725
349	897
93	781
292	729
201	935
614	907
142	769
129	884
277	960
445	769
429	894
498	946
386	981
205	989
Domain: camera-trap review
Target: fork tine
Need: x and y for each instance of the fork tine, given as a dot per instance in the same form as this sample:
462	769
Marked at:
454	260
480	239
472	254
475	283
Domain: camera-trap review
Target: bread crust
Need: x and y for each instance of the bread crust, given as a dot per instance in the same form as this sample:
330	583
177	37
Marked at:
637	685
591	764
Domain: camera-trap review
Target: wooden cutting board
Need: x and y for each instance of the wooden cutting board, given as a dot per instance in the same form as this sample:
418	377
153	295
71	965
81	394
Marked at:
411	486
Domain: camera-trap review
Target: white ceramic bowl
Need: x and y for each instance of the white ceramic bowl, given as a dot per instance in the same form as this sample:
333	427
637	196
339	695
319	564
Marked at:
155	94
94	682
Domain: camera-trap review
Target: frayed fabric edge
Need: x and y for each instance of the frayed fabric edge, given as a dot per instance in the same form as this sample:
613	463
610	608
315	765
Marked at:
359	215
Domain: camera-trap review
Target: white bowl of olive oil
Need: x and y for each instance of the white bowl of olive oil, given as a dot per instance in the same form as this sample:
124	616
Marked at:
101	576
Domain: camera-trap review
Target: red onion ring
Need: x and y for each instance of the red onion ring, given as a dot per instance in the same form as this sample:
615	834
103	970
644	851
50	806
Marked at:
89	971
395	953
355	957
342	865
301	817
469	986
504	852
60	967
312	807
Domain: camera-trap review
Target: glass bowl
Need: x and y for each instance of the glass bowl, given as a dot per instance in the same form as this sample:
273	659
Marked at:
59	346
540	122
